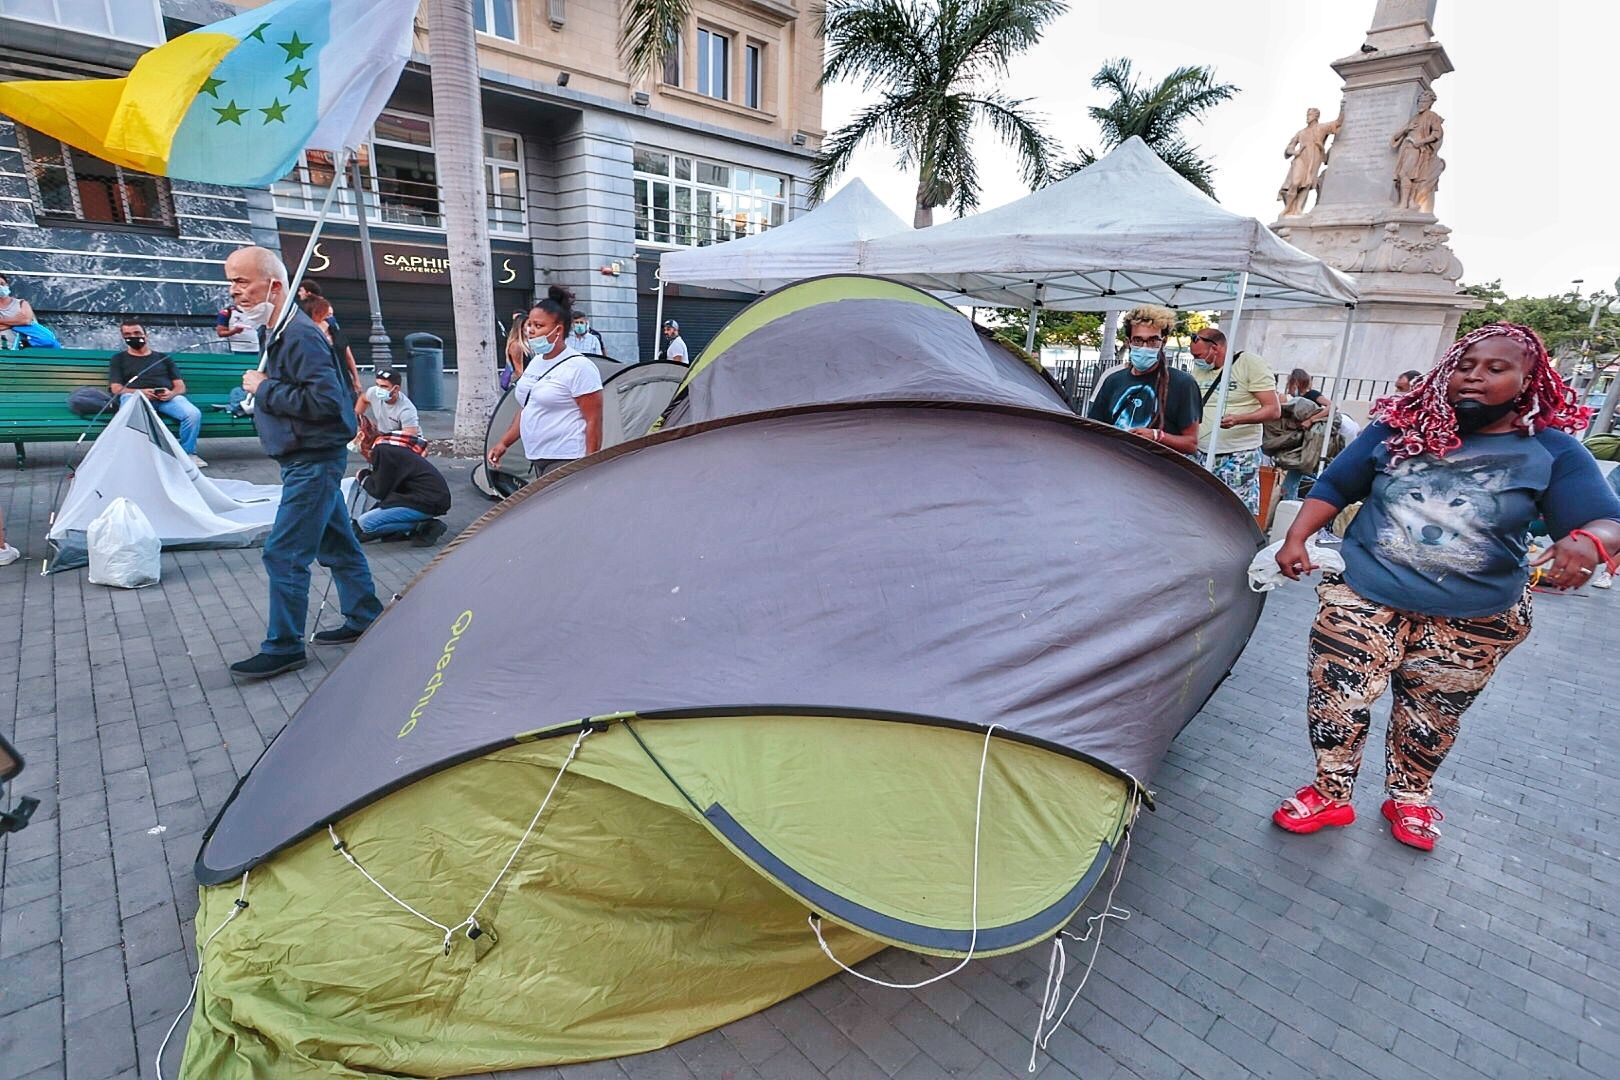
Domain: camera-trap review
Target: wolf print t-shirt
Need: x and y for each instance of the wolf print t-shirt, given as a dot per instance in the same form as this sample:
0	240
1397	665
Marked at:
1447	536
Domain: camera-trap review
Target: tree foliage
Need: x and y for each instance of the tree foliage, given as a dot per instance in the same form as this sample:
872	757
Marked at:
1558	319
648	31
935	64
1155	113
1071	329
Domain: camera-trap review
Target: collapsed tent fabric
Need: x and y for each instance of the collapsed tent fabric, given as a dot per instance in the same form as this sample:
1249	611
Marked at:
138	458
692	689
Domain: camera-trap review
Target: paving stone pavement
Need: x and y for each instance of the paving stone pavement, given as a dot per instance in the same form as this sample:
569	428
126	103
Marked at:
1247	952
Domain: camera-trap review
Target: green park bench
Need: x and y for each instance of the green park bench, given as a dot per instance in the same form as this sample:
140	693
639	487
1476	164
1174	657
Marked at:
35	384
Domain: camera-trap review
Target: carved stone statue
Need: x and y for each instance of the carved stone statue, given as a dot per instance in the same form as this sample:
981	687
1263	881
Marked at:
1418	164
1307	153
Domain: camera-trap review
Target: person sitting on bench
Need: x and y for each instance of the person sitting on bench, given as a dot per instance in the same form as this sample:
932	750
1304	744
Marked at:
139	370
411	493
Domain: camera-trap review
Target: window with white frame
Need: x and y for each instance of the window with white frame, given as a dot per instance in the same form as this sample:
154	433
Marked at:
138	21
495	18
685	201
713	64
399	172
753	64
72	185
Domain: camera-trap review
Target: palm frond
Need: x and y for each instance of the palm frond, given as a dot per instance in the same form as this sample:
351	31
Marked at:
1019	129
1190	163
840	146
987	34
648	30
1066	168
879	42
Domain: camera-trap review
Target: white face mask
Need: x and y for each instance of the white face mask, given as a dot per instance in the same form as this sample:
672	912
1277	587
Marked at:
378	393
259	314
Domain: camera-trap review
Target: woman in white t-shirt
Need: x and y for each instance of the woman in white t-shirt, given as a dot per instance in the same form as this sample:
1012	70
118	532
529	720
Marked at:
559	394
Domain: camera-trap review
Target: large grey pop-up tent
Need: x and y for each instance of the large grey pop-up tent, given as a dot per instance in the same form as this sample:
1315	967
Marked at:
897	661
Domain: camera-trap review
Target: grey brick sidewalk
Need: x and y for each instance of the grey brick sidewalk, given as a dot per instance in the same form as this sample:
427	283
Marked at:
1247	952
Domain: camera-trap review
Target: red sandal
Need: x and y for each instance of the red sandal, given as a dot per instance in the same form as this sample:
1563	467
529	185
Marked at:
1414	826
1310	810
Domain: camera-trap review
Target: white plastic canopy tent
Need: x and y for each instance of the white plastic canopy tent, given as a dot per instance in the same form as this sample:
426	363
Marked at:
1125	231
827	240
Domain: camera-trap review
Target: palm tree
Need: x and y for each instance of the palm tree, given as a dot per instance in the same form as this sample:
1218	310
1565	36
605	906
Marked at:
648	29
458	138
936	64
1155	114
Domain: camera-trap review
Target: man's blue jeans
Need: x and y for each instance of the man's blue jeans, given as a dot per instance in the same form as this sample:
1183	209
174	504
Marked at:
391	520
178	408
312	523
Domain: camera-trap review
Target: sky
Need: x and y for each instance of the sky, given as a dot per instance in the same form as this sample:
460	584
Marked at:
1532	115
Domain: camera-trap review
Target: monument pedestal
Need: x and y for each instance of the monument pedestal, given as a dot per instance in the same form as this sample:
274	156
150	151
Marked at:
1397	254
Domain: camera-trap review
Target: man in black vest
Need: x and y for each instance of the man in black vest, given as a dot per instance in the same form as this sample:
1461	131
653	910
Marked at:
305	417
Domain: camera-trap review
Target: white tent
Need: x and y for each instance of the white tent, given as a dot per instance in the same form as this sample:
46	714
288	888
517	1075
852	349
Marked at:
1125	231
138	458
827	240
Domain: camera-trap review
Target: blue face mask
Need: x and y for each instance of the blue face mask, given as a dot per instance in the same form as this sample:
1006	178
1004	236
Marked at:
1143	359
1203	365
5	291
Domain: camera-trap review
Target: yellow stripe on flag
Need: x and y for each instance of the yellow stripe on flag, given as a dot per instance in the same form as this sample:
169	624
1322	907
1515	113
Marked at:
130	121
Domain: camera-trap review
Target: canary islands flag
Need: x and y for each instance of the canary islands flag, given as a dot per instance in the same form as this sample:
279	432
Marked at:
235	102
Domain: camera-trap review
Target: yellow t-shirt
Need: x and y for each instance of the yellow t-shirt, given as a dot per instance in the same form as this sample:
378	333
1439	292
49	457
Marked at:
1250	375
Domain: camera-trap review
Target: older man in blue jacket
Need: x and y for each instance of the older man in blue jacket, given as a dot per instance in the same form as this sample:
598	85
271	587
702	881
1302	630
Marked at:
304	413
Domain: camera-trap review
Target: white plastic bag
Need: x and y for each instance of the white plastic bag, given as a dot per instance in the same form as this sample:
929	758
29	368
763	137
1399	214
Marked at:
124	548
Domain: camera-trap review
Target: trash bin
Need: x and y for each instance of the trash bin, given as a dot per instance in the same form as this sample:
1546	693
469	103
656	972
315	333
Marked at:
424	370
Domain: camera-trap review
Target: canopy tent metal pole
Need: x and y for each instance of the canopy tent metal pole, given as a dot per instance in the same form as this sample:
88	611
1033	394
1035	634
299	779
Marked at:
658	318
1226	369
1338	379
1034	315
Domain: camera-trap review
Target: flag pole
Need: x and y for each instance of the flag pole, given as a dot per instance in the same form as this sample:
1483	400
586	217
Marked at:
303	264
309	251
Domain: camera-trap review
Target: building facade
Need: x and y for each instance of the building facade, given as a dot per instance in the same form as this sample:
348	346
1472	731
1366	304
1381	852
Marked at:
85	241
591	176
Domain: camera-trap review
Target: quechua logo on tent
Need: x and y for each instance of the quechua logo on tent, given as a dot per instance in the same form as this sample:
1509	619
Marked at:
436	680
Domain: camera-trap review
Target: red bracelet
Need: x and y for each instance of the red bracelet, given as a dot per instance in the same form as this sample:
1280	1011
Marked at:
1603	553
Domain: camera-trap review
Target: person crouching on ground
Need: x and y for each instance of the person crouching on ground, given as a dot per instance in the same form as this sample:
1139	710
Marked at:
305	418
411	494
139	370
1148	397
1434	591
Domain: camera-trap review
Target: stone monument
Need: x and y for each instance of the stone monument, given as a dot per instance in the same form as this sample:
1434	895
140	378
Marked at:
1374	212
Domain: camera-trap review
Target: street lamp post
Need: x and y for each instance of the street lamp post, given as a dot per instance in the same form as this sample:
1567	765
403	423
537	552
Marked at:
1605	414
382	353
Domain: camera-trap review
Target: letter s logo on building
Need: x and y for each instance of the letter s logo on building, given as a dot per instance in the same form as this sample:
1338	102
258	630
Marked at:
436	680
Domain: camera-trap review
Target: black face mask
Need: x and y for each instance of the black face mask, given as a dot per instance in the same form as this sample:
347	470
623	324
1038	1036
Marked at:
1473	415
135	342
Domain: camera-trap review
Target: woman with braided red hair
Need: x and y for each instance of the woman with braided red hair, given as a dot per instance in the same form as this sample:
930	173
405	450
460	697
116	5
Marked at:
1434	591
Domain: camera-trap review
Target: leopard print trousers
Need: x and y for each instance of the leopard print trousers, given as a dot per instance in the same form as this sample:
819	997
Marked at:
1438	667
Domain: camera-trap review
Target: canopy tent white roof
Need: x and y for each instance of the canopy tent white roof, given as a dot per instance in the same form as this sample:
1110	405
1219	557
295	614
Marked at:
1124	231
827	240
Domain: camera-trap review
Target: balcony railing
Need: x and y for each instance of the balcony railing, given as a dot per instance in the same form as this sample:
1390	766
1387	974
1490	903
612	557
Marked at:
390	201
692	228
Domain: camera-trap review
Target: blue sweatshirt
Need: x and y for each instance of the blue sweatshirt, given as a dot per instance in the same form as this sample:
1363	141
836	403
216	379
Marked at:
304	408
1448	536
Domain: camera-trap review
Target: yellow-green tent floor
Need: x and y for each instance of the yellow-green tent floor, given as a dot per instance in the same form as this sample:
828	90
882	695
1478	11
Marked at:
661	894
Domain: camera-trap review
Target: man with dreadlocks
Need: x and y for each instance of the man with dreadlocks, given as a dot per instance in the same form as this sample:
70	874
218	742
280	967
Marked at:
1434	590
1148	397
